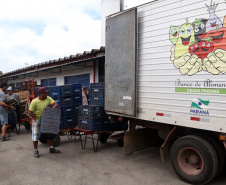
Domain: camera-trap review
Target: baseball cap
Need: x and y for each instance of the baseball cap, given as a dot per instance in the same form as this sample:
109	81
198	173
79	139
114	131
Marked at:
42	90
9	89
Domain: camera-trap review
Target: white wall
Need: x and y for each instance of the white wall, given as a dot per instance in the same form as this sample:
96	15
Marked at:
70	70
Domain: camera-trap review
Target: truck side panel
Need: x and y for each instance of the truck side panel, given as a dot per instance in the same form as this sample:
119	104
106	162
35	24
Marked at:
174	85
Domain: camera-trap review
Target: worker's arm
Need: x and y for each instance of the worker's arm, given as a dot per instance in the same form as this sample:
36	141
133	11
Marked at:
31	114
55	105
2	103
32	108
52	102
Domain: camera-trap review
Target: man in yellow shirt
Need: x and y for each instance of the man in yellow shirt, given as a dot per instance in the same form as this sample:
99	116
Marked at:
35	111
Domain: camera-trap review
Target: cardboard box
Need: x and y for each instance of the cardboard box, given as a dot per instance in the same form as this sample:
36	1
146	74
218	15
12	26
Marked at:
23	95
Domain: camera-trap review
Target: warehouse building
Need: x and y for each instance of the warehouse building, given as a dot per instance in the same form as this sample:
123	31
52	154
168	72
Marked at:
83	68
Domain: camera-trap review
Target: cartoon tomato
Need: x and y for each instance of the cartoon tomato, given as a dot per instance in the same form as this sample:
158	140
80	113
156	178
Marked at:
205	47
194	49
218	37
186	37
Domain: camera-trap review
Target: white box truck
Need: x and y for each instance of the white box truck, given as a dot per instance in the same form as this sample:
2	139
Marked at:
165	71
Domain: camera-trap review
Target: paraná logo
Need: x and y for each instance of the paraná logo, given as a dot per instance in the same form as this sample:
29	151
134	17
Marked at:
200	104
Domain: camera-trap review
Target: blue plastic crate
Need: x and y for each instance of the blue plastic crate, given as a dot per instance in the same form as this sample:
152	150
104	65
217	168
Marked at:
97	88
91	111
67	101
68	111
97	85
77	88
69	122
66	90
50	121
77	99
91	124
76	110
54	97
97	100
54	91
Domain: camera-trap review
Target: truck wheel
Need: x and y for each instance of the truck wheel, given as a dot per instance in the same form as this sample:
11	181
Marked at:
103	138
56	141
220	150
194	159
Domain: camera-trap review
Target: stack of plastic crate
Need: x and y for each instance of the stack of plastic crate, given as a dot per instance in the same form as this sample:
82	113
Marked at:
50	121
55	94
77	99
97	94
67	109
91	117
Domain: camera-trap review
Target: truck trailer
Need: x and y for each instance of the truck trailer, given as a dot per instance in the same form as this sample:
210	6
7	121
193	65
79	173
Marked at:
165	66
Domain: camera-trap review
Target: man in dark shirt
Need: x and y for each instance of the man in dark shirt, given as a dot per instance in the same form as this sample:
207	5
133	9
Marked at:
13	100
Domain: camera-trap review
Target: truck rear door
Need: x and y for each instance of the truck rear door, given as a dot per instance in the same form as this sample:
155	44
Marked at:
120	64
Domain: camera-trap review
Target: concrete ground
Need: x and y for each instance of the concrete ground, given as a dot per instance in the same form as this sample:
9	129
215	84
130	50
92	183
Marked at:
82	166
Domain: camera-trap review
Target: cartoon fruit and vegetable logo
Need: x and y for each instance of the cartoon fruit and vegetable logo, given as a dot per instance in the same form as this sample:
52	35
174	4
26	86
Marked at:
200	46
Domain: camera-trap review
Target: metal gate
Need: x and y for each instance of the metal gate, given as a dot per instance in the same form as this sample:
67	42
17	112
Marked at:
48	82
79	79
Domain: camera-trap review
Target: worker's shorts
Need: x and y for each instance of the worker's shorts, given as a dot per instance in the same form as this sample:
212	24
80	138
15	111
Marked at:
12	117
3	117
35	131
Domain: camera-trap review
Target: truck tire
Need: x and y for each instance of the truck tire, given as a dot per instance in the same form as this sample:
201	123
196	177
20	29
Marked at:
103	137
220	150
194	159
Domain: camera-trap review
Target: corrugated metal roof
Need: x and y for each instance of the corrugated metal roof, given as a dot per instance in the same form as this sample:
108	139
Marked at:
70	59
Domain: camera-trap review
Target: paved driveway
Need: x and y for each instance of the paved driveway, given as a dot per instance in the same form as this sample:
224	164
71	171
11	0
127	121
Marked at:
74	165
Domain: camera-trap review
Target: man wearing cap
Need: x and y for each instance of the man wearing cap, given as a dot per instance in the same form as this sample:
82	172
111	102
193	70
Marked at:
35	111
13	100
3	111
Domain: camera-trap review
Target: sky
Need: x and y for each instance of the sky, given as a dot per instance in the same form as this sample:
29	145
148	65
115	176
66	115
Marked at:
35	31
